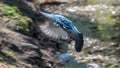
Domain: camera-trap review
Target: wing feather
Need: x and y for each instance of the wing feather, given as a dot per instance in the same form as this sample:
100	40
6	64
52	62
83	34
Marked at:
53	30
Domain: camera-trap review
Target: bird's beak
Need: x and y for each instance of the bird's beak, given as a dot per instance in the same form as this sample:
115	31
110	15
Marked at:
46	15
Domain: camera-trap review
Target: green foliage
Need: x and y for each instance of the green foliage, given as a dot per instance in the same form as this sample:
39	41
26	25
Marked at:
104	16
1	58
107	31
93	1
116	17
109	2
10	54
9	11
6	57
99	27
12	13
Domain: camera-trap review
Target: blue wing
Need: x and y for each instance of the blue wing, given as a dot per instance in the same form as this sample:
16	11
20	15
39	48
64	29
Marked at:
61	20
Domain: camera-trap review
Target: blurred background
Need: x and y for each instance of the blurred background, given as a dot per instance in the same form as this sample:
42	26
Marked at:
98	20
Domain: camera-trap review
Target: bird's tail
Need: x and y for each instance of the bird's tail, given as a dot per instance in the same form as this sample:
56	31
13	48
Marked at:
79	42
78	37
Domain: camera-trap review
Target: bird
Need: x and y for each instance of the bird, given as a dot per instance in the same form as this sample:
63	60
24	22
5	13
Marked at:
53	26
61	28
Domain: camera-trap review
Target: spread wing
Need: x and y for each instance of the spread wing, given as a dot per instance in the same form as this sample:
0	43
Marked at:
54	30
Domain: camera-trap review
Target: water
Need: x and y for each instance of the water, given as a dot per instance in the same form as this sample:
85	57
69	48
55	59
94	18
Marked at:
75	64
99	47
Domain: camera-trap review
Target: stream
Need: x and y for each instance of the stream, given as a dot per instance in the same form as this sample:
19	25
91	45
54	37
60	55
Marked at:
100	46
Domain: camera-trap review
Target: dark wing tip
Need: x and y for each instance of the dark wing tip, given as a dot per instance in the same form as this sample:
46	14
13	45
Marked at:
79	43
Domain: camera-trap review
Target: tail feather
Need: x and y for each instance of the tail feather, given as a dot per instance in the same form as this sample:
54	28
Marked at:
79	43
78	37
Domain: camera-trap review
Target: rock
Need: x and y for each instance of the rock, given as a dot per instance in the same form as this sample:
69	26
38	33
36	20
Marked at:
92	65
26	52
66	57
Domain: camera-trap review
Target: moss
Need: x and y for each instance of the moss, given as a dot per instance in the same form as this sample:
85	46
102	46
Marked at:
12	13
108	2
9	11
10	54
99	27
93	1
1	58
